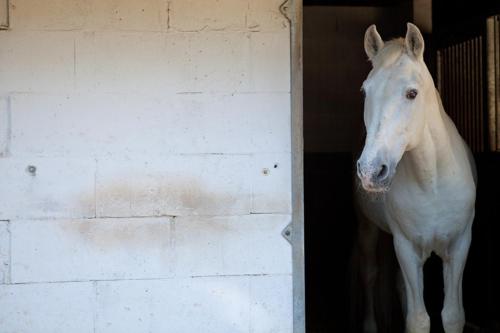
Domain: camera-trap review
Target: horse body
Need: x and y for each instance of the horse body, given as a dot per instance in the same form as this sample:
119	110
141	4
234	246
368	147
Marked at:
417	177
429	205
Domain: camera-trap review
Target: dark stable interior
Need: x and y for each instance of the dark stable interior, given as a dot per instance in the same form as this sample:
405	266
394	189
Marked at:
335	65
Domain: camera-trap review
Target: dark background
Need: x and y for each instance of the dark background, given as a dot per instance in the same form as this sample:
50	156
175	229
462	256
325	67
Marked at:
334	67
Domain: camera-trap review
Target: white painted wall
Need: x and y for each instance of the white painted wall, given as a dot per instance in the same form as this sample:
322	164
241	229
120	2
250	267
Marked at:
145	167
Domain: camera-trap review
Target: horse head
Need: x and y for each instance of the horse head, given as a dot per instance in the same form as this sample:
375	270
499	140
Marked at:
396	92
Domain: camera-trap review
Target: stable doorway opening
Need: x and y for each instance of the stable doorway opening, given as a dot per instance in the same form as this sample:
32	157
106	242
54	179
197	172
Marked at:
335	66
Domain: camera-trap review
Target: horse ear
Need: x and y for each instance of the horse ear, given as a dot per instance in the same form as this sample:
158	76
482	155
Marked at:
373	41
414	41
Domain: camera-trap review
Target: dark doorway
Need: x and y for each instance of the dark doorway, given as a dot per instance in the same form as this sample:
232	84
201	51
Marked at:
335	66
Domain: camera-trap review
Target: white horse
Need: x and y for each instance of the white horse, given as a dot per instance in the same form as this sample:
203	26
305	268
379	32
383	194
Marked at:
418	178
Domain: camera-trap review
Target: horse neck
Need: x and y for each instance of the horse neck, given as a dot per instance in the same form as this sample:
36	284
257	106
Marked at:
433	158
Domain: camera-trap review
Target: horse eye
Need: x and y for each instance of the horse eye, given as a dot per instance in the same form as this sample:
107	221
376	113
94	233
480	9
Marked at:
411	94
363	92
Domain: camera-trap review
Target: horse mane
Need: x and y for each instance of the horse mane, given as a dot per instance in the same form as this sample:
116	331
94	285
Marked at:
390	53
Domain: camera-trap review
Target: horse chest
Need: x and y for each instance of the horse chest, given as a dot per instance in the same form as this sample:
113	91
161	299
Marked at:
430	219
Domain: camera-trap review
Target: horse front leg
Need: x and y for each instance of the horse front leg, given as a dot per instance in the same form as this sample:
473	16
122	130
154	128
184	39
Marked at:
417	319
453	315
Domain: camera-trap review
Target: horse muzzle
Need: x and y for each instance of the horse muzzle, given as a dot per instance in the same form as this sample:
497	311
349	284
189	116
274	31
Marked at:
375	176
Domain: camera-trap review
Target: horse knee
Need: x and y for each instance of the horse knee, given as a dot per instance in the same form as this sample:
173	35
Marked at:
453	320
418	323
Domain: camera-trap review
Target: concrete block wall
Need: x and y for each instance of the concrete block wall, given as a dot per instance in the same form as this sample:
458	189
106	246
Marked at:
145	167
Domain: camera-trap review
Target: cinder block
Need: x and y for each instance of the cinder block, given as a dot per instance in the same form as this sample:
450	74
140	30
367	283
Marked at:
33	61
179	305
92	249
58	125
211	305
264	121
48	14
4	252
271	183
271	304
259	62
196	15
47	187
78	125
156	63
124	62
132	15
234	124
174	185
43	308
235	245
265	15
270	58
211	61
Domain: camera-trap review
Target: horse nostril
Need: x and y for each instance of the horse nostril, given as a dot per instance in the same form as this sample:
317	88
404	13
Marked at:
383	173
358	169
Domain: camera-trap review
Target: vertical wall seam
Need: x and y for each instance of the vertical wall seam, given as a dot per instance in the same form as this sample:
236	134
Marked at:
250	305
168	15
95	188
246	14
94	308
5	24
8	278
172	244
74	63
8	128
252	187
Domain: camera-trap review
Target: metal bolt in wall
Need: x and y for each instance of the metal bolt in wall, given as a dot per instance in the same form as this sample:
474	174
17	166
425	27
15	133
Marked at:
31	169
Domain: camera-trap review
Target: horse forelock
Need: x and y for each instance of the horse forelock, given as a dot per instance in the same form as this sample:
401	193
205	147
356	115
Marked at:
390	53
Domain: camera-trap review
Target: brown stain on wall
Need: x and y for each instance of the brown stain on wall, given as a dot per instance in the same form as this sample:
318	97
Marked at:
121	233
163	234
159	196
129	212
